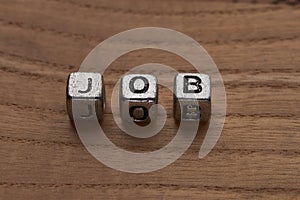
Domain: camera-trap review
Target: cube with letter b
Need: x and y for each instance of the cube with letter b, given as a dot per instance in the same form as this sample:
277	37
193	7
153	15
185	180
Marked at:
138	92
192	97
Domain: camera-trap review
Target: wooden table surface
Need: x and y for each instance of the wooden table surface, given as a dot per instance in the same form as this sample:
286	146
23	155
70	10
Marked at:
255	46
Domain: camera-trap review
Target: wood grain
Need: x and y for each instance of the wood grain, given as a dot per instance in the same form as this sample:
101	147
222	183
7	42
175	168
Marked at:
256	46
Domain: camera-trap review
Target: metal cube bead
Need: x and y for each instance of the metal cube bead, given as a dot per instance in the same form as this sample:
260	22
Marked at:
86	91
138	92
192	97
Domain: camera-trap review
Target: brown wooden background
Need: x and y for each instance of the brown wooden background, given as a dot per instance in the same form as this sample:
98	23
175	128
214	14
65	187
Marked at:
256	47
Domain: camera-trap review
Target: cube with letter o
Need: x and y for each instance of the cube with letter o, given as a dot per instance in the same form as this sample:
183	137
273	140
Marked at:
138	92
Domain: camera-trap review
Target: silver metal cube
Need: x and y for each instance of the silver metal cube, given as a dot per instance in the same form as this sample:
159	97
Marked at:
192	97
85	90
138	92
